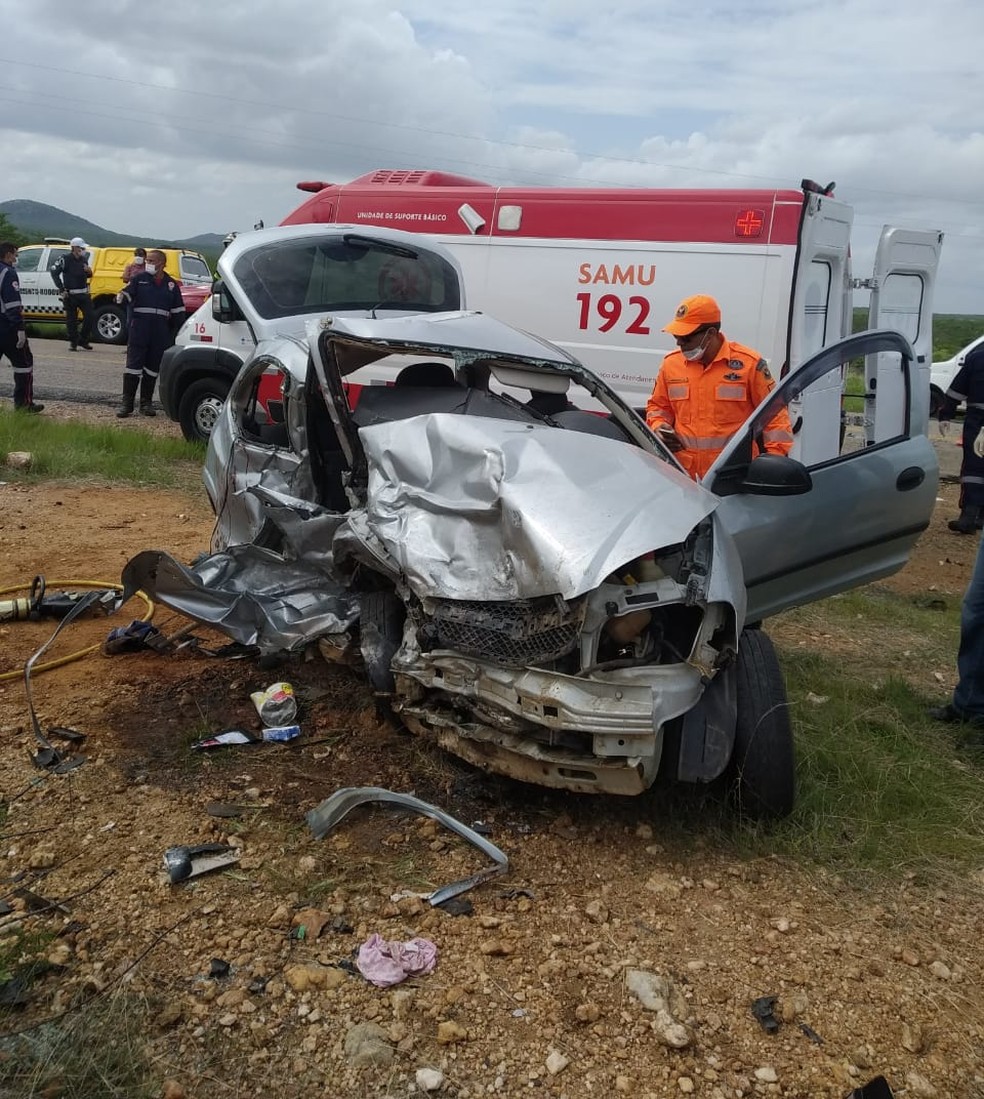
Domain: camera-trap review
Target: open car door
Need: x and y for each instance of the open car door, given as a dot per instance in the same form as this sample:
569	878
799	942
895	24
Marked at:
808	530
903	281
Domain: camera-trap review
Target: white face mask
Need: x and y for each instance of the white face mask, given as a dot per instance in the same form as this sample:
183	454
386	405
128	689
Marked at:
694	354
150	268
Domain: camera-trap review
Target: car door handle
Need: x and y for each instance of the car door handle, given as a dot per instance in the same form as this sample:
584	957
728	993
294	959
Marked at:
910	478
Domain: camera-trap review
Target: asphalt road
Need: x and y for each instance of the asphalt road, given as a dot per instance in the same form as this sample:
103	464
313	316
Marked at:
91	377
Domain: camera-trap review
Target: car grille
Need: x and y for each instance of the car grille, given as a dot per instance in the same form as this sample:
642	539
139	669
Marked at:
517	632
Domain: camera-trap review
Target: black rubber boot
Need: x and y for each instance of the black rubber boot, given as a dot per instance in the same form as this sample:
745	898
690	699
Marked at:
969	521
130	383
147	383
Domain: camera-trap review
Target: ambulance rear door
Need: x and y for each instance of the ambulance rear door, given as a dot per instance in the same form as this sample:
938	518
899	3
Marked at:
819	315
902	285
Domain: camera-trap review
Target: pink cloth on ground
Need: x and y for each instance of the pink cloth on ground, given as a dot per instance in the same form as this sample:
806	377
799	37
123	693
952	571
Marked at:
387	962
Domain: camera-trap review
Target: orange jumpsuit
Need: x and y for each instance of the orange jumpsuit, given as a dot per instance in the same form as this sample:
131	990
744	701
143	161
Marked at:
706	405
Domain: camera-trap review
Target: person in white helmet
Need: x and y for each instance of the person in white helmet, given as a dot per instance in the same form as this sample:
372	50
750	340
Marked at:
71	275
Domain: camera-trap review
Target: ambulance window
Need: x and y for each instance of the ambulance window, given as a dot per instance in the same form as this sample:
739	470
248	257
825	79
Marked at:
28	258
817	300
54	255
194	269
310	275
900	303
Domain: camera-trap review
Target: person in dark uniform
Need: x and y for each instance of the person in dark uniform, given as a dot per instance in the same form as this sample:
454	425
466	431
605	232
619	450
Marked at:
13	334
157	311
968	386
71	275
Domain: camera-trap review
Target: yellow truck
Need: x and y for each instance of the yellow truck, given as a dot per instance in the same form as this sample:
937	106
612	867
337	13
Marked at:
42	304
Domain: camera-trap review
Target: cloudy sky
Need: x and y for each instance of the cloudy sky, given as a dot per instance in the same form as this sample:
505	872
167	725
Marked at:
177	117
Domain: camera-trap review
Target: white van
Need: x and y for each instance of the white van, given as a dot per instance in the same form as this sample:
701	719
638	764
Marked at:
943	373
600	271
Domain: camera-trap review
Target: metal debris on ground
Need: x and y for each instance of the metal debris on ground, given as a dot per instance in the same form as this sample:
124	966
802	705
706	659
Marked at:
325	816
811	1034
764	1010
218	968
874	1089
184	862
223	740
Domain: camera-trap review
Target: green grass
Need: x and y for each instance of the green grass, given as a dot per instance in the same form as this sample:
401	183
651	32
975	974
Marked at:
882	789
95	1053
70	451
951	331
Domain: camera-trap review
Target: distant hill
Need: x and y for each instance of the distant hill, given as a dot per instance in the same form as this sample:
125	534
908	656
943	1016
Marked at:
36	220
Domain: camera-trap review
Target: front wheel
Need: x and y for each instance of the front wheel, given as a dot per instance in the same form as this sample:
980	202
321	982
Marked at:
199	408
763	766
110	323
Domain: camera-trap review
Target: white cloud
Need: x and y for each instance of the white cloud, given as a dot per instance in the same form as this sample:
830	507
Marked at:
187	118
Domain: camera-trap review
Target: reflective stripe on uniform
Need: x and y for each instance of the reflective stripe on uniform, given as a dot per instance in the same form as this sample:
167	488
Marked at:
777	436
731	392
704	442
147	309
76	291
973	404
954	395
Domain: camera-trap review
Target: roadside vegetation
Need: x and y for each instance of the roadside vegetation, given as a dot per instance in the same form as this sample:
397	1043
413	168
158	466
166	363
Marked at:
65	451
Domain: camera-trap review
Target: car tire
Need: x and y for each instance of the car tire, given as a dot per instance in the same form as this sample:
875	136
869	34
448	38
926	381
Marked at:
109	322
381	617
762	771
199	408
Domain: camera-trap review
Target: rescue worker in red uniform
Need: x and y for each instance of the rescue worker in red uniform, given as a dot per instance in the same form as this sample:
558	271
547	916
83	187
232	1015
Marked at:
707	389
156	313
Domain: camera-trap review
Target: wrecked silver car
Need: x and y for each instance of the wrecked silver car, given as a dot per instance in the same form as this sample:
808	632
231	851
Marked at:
524	572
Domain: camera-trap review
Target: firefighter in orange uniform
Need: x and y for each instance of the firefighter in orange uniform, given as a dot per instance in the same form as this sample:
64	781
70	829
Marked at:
707	389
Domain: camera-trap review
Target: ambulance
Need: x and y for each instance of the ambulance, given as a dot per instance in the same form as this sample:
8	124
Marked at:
600	271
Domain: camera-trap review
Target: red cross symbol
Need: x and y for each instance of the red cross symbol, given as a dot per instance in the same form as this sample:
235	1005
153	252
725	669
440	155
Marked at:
749	224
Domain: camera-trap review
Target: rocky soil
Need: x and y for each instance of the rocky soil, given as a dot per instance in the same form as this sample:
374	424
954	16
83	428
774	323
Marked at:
621	953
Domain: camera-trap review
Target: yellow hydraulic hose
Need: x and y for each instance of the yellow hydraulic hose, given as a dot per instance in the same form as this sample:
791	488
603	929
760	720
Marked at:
70	585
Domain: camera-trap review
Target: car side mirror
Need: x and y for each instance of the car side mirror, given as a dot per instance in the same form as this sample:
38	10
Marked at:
224	308
775	475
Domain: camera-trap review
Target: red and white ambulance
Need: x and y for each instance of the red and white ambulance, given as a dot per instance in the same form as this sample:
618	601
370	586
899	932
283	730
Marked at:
600	271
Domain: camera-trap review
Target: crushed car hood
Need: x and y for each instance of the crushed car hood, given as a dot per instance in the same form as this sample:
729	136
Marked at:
489	509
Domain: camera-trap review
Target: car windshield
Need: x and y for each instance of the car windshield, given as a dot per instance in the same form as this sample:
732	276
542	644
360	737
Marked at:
311	275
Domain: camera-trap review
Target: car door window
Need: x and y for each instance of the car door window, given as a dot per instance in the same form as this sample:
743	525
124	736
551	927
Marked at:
853	511
194	269
28	259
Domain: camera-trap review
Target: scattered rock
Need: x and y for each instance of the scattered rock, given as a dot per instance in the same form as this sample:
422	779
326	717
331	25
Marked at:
596	912
368	1044
450	1031
429	1079
913	1038
940	970
172	1089
766	1074
556	1062
685	1084
657	994
20	459
588	1012
919	1086
910	957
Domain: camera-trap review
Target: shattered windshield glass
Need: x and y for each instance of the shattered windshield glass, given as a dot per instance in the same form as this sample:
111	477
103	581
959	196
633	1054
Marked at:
311	275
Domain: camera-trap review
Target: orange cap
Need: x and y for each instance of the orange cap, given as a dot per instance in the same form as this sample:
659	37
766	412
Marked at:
692	313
